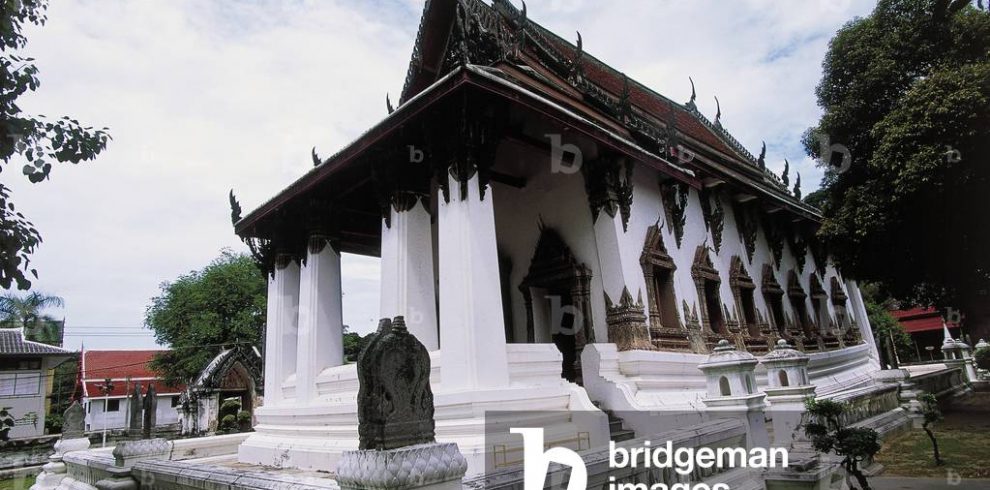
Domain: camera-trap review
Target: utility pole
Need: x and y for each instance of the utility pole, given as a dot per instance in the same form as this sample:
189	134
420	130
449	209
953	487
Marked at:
106	388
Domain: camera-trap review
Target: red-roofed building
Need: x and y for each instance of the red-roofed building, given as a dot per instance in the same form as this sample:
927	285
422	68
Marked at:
125	369
926	329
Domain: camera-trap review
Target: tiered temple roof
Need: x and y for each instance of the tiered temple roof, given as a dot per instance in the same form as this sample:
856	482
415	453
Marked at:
476	53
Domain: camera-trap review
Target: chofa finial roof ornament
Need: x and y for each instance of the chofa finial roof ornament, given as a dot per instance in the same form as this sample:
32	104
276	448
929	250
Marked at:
718	112
762	160
797	186
694	95
783	177
388	104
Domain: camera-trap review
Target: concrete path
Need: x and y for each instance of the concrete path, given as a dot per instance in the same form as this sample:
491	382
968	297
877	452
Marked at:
897	483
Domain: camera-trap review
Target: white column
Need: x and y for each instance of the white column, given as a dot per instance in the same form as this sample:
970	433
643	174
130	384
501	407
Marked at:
407	286
281	330
862	320
321	324
607	233
472	336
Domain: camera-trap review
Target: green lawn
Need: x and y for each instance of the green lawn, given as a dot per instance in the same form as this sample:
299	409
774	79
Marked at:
17	483
963	438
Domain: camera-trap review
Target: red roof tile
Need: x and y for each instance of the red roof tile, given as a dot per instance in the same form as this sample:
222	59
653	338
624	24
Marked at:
920	319
119	366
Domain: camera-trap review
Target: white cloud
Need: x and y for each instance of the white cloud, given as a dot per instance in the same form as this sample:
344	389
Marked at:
204	97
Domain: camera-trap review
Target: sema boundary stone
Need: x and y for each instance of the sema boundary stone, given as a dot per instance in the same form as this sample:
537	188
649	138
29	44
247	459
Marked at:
395	414
395	402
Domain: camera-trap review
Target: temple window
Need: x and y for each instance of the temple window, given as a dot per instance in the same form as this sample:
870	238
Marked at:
713	305
797	297
773	295
707	280
723	386
819	299
742	290
839	305
782	377
658	272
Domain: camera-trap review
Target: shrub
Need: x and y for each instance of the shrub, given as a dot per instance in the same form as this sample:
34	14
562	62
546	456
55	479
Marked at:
230	407
243	421
828	433
982	358
228	423
53	424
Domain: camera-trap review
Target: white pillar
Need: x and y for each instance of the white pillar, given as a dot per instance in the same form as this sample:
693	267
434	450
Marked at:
862	320
407	286
281	330
321	324
472	336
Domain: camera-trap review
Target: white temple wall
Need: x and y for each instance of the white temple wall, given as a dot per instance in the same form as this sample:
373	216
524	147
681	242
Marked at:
560	200
647	208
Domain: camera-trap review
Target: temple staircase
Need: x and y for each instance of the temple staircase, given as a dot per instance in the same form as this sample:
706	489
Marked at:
617	432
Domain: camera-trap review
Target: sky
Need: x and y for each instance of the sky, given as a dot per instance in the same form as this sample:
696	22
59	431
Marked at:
205	97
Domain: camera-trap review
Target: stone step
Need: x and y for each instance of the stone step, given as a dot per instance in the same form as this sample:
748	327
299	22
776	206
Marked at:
623	435
616	432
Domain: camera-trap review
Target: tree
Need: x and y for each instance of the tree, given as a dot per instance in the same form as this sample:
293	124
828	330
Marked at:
829	433
38	141
906	95
202	311
353	344
931	414
27	312
889	334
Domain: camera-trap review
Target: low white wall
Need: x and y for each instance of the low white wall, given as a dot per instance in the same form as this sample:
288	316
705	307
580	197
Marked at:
638	384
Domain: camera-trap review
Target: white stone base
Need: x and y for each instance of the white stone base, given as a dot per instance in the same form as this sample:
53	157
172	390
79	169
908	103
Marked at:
423	466
54	471
314	437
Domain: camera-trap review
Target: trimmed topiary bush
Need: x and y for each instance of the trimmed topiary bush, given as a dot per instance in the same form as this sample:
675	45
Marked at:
243	421
228	423
982	358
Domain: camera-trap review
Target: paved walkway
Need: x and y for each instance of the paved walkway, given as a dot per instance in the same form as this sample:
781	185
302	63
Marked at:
897	483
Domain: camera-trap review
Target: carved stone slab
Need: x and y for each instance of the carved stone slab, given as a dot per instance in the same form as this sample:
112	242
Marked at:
395	403
74	421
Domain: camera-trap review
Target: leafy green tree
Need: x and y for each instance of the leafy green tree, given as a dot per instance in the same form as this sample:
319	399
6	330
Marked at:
200	312
906	95
889	334
982	358
931	414
24	311
828	433
27	312
37	141
353	344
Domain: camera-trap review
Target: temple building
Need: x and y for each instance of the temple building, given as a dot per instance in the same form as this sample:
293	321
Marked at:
559	236
108	379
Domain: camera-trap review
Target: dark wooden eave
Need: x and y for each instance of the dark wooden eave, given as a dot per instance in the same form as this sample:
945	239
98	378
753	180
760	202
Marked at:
462	78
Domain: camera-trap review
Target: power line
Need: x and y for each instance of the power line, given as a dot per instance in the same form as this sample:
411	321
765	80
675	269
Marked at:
43	376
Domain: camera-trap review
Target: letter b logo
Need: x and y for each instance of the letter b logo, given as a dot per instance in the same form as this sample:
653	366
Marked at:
536	462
